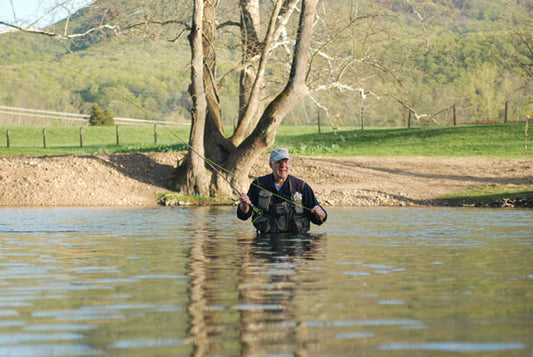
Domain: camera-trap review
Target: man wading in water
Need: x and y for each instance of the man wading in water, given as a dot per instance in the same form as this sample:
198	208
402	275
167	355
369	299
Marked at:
279	202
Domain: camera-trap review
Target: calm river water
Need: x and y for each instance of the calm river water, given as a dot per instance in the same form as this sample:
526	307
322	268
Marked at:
197	281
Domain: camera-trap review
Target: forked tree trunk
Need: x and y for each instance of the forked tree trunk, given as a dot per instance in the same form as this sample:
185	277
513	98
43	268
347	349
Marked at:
264	134
234	157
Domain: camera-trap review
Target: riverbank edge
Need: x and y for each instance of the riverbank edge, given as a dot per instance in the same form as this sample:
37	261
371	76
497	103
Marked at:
171	200
141	180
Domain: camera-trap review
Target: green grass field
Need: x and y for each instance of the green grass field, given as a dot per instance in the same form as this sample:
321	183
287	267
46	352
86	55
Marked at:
64	140
460	141
497	140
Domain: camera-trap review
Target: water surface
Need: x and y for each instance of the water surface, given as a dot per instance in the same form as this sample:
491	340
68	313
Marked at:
184	281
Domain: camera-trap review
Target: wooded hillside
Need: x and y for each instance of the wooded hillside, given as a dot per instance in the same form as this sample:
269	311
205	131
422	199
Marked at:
377	61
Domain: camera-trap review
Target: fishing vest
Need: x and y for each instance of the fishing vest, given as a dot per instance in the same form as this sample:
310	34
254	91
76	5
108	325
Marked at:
284	217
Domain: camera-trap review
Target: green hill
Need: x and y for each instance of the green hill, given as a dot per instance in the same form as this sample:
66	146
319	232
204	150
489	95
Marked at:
473	54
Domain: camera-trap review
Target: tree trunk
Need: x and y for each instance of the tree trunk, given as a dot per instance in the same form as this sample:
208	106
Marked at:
251	48
215	144
197	179
254	100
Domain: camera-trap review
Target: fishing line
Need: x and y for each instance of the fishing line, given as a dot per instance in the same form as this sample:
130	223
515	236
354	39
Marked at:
219	169
216	167
213	164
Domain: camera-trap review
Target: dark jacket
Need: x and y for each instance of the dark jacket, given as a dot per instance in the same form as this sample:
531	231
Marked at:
286	211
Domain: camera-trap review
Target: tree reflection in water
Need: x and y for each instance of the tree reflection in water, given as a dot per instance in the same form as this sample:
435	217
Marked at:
243	296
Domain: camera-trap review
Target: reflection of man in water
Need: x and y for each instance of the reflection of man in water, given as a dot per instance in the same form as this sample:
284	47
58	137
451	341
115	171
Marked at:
285	204
277	281
275	248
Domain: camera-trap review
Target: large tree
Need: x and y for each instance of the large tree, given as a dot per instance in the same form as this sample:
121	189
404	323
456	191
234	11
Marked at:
228	160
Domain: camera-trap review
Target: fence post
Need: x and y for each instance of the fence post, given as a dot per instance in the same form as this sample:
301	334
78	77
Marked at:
44	138
409	120
454	116
362	111
81	136
506	111
8	139
318	120
526	129
155	134
118	136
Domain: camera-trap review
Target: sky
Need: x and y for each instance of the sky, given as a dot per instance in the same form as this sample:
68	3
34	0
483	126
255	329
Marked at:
27	11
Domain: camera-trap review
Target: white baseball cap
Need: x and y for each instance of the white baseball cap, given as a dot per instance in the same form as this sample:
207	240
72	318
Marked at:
279	154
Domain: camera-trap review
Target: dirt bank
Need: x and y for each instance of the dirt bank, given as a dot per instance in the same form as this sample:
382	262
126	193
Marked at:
135	179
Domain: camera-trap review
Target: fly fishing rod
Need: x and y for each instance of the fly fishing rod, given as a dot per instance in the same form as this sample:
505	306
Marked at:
216	167
219	169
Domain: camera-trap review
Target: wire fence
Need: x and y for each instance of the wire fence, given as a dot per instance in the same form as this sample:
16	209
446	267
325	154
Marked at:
23	127
31	128
14	116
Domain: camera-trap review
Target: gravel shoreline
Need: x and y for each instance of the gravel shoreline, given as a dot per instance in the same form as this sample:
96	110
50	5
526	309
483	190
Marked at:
137	179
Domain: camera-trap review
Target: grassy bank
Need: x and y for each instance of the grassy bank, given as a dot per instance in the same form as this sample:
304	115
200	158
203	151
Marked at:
498	140
491	196
502	141
459	141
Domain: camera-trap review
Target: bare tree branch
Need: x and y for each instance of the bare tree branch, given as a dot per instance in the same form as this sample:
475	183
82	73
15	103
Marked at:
325	109
53	9
254	97
415	113
229	24
184	23
61	36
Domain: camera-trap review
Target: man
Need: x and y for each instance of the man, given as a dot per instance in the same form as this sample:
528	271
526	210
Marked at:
279	202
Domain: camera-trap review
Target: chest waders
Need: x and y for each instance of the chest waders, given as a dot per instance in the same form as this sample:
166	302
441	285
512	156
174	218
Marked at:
284	217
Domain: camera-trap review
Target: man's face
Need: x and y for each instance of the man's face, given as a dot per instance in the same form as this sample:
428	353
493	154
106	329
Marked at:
280	169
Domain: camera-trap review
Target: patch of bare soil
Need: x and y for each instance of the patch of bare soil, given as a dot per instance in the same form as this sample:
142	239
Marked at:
393	181
85	180
136	179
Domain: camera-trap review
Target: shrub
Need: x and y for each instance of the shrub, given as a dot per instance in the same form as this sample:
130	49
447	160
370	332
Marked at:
99	117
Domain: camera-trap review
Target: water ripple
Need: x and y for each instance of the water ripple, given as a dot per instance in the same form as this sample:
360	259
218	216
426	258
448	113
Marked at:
148	343
49	350
13	338
371	322
455	346
102	281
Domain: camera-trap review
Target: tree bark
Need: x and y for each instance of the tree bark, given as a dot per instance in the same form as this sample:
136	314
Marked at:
253	103
215	143
197	182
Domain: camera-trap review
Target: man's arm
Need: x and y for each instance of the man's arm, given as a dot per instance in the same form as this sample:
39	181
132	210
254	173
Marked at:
317	214
244	209
320	213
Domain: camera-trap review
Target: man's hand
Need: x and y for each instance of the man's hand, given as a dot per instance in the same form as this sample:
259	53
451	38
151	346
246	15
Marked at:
318	211
245	203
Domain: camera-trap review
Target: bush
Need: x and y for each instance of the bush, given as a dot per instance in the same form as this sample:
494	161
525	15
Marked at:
99	117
